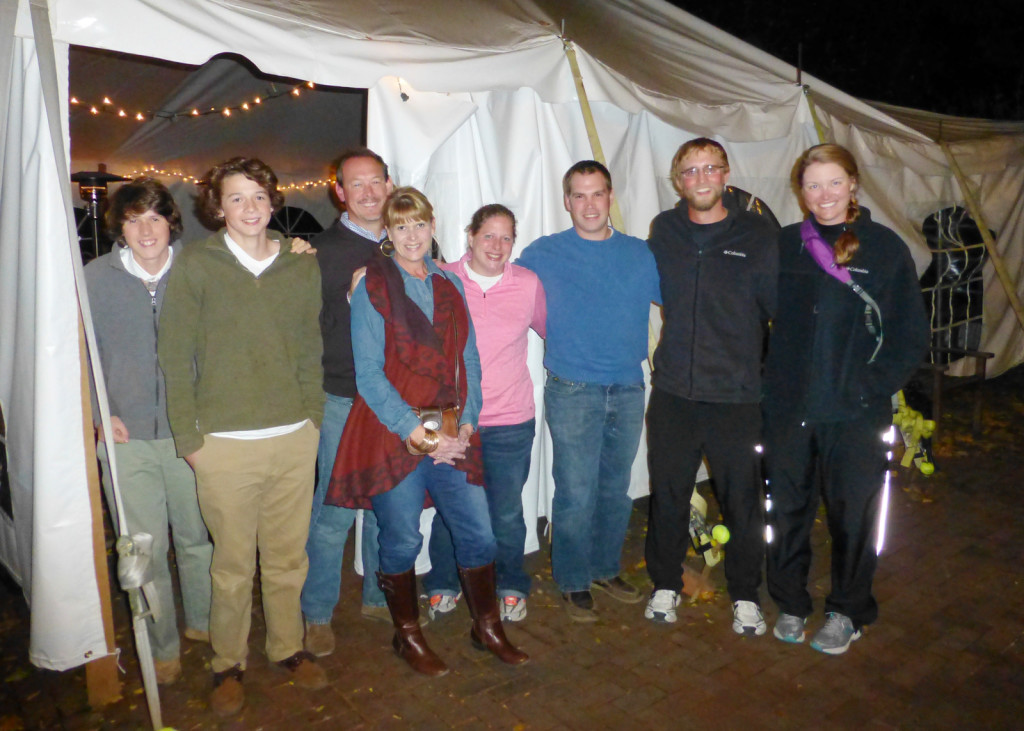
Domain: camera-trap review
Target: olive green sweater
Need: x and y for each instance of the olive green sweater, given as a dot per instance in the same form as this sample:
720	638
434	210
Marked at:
238	351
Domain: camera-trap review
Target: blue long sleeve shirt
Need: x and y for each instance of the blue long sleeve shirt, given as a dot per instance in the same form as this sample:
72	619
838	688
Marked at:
599	296
368	353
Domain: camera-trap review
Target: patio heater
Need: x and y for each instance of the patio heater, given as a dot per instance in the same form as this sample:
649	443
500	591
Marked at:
92	187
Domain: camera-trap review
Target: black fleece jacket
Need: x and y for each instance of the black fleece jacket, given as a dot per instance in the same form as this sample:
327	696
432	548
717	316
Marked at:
718	292
817	367
340	251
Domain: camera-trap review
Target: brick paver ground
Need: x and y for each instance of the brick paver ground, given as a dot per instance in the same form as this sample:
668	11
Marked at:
947	651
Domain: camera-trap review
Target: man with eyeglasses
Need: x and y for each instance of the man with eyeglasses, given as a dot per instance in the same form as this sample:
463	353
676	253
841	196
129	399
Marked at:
718	268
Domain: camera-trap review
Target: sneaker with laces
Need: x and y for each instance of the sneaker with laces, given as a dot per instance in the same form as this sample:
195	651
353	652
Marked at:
747	619
579	605
618	588
661	607
835	637
790	628
513	609
442	604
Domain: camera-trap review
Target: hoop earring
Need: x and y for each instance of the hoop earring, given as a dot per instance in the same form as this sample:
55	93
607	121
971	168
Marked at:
387	248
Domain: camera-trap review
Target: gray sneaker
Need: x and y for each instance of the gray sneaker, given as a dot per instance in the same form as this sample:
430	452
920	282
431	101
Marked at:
837	634
790	628
443	604
513	608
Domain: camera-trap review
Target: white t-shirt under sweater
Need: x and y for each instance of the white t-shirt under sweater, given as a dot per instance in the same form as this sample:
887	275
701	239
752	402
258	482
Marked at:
485	283
135	269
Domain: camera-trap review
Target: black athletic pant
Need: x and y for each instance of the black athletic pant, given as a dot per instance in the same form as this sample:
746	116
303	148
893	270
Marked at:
847	460
679	431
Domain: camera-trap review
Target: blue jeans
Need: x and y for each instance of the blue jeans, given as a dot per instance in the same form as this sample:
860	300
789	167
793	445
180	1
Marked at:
595	432
329	526
507	452
462	506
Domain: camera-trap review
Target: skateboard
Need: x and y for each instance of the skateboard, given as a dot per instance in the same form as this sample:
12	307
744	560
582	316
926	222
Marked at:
916	432
707	540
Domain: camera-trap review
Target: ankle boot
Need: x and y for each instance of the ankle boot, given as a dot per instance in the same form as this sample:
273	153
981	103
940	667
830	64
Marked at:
487	632
409	643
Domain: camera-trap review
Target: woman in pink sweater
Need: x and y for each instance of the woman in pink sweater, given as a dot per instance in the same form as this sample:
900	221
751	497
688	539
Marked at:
505	301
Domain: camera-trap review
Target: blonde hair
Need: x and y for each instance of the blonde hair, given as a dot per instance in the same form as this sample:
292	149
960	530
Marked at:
406	204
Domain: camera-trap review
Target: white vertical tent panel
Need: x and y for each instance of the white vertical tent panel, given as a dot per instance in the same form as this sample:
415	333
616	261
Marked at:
49	550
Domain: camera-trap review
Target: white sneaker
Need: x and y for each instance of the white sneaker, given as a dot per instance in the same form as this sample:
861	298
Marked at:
513	609
661	607
747	619
441	604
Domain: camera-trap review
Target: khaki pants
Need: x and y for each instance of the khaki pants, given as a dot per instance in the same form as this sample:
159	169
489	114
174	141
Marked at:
257	494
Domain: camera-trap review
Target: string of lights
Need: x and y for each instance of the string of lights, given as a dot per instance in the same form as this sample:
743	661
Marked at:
153	170
108	107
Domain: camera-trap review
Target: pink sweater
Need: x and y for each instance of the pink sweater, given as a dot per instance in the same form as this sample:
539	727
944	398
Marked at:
501	317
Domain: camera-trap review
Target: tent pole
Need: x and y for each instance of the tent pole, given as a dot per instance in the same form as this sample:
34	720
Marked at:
818	128
986	235
103	685
588	120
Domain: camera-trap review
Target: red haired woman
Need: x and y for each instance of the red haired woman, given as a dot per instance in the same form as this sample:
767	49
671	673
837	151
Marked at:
850	330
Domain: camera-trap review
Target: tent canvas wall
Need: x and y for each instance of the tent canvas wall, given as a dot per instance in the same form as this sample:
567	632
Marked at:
492	114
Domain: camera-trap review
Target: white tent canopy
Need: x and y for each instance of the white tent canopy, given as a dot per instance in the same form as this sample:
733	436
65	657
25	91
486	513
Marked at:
491	114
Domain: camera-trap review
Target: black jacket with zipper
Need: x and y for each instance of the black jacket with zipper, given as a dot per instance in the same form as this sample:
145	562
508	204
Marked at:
718	297
817	367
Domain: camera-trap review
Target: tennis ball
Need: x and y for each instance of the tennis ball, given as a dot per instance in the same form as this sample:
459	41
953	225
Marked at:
720	533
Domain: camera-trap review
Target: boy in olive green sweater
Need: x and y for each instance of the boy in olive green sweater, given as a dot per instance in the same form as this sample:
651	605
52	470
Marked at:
240	347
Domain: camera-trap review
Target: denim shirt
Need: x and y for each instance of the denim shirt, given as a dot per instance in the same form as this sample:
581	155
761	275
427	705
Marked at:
368	353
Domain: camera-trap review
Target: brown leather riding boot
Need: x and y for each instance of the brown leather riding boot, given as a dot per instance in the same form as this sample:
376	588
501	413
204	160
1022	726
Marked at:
409	643
487	632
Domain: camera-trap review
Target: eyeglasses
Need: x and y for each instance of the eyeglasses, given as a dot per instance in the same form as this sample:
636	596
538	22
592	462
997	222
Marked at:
708	170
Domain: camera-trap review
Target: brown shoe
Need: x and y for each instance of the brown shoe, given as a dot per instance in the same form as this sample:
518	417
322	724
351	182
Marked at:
618	588
579	605
487	632
227	696
409	642
319	639
167	671
304	671
197	635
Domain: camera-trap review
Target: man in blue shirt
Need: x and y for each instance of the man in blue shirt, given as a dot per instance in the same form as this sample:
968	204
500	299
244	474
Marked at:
599	285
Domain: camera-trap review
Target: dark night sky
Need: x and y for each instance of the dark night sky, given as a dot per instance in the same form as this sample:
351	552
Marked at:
963	58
